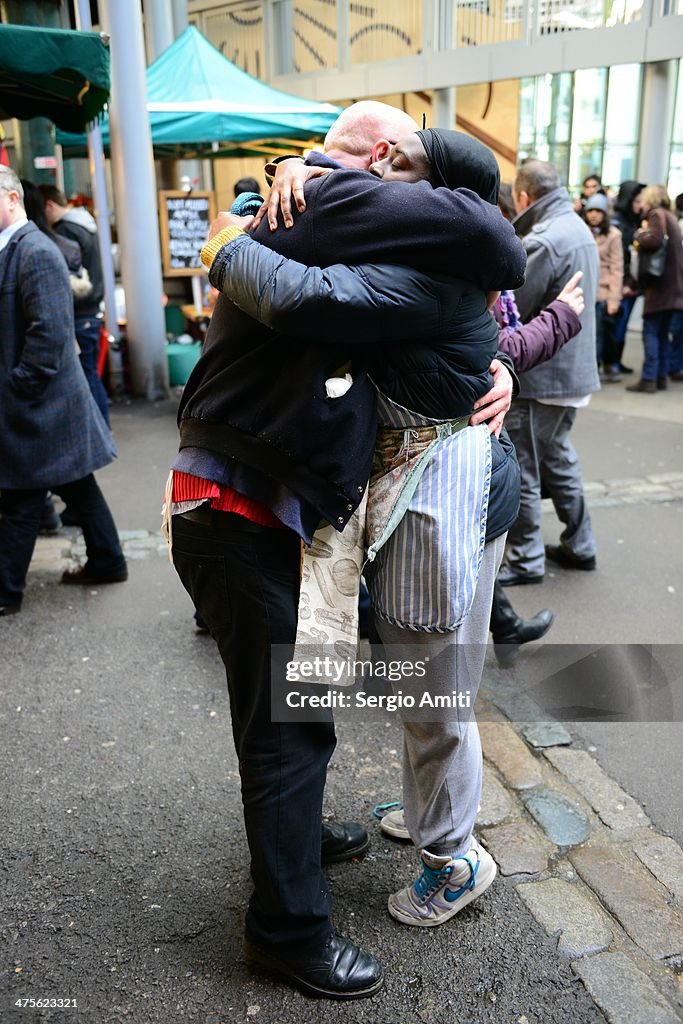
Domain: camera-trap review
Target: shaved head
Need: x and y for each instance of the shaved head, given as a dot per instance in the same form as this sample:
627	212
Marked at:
362	125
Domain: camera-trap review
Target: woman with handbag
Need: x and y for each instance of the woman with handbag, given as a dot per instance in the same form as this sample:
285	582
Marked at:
660	273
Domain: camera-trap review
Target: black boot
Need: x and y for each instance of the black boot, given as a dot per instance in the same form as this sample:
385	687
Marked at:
509	630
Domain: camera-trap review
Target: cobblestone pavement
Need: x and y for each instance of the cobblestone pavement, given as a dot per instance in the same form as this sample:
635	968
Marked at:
603	885
589	865
580	852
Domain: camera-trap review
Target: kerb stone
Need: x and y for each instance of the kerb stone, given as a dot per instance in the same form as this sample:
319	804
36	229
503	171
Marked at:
496	805
546	734
662	856
518	848
634	898
616	808
562	907
503	747
561	820
623	992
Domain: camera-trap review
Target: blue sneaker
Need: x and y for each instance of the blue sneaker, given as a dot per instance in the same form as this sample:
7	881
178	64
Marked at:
445	886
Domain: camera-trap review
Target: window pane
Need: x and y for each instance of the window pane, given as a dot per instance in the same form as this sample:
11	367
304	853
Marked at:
527	100
678	118
623	104
558	155
588	123
618	164
676	172
585	159
559	125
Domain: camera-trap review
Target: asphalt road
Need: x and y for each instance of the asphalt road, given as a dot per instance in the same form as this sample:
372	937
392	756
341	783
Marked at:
125	869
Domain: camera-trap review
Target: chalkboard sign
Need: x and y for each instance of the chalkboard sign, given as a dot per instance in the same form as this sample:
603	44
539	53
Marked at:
184	219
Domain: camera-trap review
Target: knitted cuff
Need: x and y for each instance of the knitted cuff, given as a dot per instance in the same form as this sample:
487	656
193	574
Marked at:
212	247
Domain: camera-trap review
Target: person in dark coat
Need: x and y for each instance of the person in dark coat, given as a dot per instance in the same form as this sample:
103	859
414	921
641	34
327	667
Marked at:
77	225
663	295
626	217
79	280
52	435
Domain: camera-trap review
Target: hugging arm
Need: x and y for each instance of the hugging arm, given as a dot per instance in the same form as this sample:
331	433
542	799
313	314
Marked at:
339	303
352	304
456	231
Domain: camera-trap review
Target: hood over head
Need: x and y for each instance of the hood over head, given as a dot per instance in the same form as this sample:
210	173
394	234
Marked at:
459	161
628	190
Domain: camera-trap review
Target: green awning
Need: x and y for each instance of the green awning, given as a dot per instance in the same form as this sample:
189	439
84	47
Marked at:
199	102
53	73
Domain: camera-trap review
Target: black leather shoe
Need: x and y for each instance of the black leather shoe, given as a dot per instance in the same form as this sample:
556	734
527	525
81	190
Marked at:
509	578
87	577
510	630
556	553
340	970
9	609
342	840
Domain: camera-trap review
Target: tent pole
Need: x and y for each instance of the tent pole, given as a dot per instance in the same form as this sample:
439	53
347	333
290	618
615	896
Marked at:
136	200
102	214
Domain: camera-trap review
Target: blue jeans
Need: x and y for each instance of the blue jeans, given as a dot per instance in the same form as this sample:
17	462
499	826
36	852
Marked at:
656	327
20	514
606	349
244	583
625	310
88	337
676	353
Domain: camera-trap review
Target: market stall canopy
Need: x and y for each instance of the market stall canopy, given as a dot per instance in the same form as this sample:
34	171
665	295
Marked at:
198	100
53	73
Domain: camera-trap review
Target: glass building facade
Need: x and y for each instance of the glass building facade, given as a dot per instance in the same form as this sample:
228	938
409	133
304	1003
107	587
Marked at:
585	122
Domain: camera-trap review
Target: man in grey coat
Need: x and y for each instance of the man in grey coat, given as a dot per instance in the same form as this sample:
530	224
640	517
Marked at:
52	435
558	243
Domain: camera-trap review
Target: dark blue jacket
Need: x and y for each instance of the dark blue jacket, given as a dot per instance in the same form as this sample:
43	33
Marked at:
51	431
259	396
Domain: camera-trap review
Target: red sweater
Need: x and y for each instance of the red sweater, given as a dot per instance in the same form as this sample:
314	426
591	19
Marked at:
224	499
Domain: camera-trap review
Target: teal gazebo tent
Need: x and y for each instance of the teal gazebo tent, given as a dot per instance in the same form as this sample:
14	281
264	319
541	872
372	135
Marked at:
199	102
53	73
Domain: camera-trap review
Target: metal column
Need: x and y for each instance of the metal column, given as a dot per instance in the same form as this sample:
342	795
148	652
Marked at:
136	199
102	212
180	21
659	95
443	108
159	31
